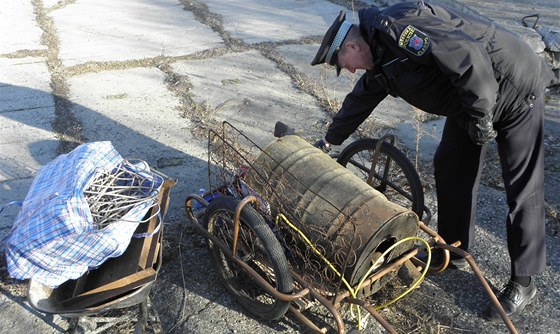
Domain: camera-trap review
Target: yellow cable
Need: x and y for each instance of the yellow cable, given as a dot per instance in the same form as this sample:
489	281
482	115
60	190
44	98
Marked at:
414	285
310	244
314	249
352	291
375	264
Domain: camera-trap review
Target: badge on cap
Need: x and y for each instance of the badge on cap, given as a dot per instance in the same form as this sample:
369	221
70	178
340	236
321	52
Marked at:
414	41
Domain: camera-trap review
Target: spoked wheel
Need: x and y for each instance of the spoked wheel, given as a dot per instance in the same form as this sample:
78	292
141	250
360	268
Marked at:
258	247
394	175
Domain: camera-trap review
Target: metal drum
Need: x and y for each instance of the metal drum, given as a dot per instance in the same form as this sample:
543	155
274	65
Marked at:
348	221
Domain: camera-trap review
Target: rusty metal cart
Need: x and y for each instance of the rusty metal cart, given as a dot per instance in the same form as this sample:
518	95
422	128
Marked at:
291	229
119	283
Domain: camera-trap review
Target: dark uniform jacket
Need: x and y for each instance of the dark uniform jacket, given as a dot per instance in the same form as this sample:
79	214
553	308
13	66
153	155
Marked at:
443	62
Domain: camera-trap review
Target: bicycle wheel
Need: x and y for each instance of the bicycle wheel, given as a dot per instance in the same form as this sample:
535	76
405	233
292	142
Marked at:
258	247
394	175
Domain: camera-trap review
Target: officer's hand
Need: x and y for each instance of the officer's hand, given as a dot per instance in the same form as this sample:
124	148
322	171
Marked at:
323	145
482	131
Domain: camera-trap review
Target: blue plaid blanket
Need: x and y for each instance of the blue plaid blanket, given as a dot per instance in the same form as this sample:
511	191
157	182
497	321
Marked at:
54	238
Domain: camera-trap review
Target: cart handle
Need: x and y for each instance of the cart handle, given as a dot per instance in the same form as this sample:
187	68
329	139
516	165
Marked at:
188	207
237	222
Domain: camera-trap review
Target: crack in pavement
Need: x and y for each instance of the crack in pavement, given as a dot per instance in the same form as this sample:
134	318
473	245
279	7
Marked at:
67	127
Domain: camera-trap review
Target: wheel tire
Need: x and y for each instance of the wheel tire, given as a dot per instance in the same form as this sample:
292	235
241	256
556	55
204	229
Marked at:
256	245
358	154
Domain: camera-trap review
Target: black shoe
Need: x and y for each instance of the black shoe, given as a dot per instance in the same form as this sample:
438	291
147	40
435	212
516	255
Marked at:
455	261
513	297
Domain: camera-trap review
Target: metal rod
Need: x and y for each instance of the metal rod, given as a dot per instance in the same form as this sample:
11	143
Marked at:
376	154
438	239
236	221
324	301
306	320
188	208
484	283
393	266
373	312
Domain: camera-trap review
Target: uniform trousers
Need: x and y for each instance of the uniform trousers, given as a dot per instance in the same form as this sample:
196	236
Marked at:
457	169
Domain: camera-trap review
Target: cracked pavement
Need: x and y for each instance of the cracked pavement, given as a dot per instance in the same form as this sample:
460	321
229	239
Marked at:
153	76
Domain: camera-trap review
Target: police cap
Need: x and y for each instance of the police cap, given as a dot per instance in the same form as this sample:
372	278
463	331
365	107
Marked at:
332	41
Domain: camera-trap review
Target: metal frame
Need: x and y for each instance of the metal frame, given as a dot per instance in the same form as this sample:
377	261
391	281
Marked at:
343	298
332	301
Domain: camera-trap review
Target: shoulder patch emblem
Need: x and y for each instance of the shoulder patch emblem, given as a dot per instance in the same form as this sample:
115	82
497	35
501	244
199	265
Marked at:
414	41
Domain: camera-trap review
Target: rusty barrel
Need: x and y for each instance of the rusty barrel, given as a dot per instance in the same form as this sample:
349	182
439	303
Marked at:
349	221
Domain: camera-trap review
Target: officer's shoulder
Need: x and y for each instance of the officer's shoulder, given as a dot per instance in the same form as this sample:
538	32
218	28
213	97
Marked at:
387	20
402	9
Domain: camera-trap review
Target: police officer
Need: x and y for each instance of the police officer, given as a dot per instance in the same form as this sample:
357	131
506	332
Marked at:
489	84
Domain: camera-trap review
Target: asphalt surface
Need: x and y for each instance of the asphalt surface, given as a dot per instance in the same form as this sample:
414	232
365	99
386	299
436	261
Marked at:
153	76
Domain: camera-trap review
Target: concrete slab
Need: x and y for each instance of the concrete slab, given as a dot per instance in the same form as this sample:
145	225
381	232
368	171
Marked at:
16	315
247	90
273	21
141	120
20	30
24	147
145	110
26	114
27	126
24	84
11	167
324	76
12	190
120	30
